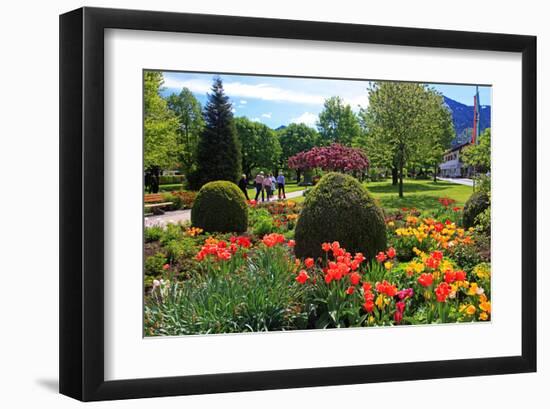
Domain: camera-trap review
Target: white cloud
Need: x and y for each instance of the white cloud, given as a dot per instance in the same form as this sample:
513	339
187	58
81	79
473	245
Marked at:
268	92
306	118
233	110
195	85
357	101
264	92
266	115
256	119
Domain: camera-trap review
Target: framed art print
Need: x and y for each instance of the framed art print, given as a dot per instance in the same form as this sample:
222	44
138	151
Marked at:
254	204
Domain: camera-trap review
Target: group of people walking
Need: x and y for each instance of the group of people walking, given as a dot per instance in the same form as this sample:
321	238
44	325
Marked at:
265	185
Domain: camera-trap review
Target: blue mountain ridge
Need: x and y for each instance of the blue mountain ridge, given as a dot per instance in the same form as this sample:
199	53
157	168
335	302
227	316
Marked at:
463	119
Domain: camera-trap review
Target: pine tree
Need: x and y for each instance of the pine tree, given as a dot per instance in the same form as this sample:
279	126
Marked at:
218	150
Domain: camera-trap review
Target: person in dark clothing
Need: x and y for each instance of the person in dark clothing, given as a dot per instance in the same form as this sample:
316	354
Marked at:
281	186
243	184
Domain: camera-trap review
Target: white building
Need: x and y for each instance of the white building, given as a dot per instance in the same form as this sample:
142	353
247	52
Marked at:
452	166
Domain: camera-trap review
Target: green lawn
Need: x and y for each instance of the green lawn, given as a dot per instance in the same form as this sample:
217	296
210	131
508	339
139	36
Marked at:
289	187
421	194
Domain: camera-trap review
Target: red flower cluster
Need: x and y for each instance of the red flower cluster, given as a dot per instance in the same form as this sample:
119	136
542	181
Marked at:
302	276
400	309
434	259
442	291
381	256
452	276
220	250
369	297
273	239
446	201
426	279
241	241
343	265
386	288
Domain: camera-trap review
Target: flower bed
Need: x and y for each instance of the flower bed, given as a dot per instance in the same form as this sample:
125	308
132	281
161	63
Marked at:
253	281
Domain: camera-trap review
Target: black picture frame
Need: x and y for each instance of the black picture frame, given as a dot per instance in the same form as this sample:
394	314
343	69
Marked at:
82	212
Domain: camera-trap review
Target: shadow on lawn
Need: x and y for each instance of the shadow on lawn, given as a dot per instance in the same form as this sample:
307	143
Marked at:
410	187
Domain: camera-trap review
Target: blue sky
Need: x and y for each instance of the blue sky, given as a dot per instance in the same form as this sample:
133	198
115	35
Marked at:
277	101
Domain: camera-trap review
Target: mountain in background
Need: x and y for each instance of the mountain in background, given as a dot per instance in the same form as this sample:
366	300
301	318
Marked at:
463	119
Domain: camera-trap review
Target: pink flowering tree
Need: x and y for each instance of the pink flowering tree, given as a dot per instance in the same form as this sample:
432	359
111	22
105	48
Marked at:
335	157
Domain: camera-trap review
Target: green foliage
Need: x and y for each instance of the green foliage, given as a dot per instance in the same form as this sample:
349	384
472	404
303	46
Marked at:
154	264
479	155
259	145
296	138
171	232
263	226
181	249
220	206
218	150
476	204
340	209
337	122
483	221
482	183
177	203
188	111
160	125
405	123
255	294
153	233
170	179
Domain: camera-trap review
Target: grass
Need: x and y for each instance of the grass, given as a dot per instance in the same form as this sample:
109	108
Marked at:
289	187
421	194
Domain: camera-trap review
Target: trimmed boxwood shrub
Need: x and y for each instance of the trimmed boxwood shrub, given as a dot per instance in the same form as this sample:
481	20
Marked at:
476	204
339	208
220	206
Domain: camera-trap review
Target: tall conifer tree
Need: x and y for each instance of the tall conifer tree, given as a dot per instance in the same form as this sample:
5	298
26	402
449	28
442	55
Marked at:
218	150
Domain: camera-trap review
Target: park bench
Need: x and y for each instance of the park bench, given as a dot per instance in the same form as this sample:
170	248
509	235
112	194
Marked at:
155	202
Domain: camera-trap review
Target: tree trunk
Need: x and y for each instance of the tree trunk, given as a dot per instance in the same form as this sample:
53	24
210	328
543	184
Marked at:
394	176
401	179
298	174
435	173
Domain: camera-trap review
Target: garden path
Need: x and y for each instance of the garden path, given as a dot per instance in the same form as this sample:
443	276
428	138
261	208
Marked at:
185	215
458	181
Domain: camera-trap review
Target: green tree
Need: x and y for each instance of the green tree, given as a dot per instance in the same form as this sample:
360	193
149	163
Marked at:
160	126
188	111
438	133
260	146
398	119
218	150
337	122
296	138
479	156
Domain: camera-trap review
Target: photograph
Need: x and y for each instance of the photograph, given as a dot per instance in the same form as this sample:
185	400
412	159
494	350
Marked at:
278	203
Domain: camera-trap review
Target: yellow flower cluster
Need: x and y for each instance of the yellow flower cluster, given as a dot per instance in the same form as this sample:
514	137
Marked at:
193	231
482	271
446	235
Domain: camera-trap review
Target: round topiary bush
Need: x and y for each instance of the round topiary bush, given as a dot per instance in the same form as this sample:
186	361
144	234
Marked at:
220	206
476	204
339	208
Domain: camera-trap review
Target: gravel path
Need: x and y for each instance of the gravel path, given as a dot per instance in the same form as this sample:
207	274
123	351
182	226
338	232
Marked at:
185	215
